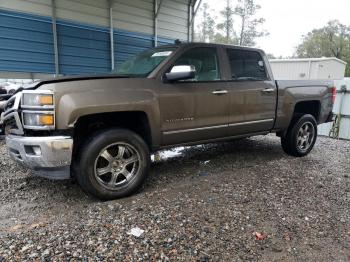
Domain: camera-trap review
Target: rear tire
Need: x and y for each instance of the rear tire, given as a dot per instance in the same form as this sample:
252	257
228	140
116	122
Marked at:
301	136
112	164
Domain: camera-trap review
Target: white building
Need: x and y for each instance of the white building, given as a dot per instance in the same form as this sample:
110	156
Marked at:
308	68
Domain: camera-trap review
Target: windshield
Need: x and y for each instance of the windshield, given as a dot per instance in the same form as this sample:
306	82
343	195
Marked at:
144	63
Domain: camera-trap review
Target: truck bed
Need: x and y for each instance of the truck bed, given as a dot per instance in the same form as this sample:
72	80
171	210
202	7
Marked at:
292	92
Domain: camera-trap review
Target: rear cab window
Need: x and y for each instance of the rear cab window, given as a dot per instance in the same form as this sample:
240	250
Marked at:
246	65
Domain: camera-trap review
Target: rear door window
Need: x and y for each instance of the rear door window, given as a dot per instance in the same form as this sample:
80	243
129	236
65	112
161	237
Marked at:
246	65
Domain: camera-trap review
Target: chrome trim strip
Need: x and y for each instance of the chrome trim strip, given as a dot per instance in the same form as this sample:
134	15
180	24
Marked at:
215	127
268	90
16	98
220	92
38	107
193	129
251	122
214	140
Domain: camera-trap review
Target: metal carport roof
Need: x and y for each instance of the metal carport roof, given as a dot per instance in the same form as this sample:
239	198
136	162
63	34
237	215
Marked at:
43	38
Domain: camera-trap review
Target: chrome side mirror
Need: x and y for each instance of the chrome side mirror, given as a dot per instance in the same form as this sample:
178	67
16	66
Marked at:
181	72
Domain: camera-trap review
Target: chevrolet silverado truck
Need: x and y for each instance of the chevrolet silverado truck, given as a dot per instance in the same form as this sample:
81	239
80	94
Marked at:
102	129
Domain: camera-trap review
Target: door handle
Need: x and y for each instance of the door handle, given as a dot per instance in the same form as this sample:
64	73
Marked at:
220	92
268	90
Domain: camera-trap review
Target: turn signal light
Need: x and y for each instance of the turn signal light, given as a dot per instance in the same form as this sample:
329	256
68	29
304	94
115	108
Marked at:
46	120
46	99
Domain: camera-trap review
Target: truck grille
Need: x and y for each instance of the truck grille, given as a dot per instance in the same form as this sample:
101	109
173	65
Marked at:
10	104
11	118
11	123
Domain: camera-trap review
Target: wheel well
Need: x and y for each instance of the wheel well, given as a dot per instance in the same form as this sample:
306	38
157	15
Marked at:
134	121
308	107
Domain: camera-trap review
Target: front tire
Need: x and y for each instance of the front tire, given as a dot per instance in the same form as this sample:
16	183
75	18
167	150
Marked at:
112	164
301	136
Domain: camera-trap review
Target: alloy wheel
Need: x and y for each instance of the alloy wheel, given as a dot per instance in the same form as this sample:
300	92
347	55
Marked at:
117	165
305	136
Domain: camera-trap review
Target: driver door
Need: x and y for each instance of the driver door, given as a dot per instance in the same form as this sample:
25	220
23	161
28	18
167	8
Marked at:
195	109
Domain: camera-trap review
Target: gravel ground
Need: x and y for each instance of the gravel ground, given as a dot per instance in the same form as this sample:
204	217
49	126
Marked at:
240	200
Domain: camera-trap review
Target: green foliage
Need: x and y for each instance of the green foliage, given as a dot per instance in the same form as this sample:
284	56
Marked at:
270	56
249	30
207	27
226	27
225	31
222	39
333	40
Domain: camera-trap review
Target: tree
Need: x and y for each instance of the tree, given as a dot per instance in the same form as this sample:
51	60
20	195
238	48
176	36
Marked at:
249	28
226	30
333	40
207	27
270	56
229	34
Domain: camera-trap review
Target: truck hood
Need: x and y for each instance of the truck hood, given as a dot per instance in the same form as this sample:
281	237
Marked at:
39	83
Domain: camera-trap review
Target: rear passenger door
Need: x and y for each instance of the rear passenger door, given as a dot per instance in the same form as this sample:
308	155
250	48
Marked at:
252	92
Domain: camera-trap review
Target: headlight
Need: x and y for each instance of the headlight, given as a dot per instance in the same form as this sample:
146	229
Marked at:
38	120
37	99
38	109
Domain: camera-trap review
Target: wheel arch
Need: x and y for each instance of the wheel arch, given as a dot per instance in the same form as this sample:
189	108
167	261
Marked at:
136	121
311	107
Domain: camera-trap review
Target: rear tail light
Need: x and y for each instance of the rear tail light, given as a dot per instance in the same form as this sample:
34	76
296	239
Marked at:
334	94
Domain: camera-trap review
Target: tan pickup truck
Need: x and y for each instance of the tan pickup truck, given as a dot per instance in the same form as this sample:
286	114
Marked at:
102	129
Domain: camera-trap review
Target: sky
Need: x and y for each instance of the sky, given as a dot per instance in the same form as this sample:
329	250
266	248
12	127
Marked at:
288	20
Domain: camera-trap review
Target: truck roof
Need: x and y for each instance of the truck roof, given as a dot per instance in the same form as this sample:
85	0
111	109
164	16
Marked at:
194	44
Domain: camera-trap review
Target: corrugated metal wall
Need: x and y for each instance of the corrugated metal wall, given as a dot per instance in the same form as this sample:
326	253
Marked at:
26	43
84	11
173	19
36	7
123	48
135	16
130	15
341	108
83	33
83	49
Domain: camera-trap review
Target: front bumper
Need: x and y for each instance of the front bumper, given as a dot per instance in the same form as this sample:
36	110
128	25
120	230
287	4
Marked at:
49	157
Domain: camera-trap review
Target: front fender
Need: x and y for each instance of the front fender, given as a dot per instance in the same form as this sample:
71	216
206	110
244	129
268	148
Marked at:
81	98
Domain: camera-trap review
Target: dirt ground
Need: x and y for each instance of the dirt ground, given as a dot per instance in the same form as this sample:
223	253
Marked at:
240	200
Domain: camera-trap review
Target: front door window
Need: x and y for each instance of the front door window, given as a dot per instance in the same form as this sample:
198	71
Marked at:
205	61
